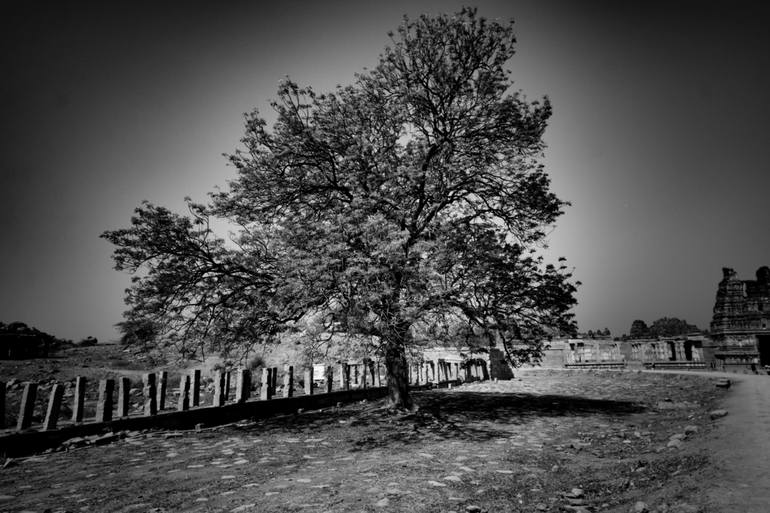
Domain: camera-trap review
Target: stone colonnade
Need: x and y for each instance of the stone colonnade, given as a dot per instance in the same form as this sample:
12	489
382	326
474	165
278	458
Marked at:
154	389
440	370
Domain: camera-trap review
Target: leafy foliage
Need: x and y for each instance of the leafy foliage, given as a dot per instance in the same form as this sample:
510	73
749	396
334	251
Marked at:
407	207
663	327
27	341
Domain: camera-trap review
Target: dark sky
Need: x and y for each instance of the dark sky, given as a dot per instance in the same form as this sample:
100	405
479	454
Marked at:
659	136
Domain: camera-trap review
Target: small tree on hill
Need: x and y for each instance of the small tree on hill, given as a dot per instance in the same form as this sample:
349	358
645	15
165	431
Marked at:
410	202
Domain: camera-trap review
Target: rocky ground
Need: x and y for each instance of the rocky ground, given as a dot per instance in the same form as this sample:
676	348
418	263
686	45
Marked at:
557	441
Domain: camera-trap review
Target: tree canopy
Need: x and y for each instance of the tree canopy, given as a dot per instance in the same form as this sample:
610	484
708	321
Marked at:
663	327
410	206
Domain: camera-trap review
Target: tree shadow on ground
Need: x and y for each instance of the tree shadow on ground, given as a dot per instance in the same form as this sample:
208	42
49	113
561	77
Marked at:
446	416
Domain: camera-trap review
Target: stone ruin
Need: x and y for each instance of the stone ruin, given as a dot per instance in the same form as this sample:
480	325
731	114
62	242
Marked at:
740	327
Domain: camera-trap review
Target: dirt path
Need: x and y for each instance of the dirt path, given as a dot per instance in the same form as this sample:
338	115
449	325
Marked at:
741	447
515	446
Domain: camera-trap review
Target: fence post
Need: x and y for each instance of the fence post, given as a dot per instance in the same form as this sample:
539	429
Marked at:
219	388
266	385
342	372
79	399
54	407
104	406
372	367
27	406
243	387
162	379
329	379
124	388
274	381
150	395
2	404
184	393
309	381
227	386
196	387
288	381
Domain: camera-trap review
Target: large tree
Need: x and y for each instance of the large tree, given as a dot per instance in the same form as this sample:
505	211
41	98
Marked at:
410	205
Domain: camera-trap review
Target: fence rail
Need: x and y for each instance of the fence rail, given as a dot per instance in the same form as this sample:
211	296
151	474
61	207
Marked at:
595	365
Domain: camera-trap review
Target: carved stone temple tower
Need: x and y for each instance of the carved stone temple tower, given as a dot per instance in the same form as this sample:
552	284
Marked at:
740	327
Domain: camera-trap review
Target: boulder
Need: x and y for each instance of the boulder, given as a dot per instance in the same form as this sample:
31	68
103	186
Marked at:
717	414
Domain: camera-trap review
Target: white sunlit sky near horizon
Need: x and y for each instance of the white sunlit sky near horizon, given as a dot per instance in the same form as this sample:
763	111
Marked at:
659	137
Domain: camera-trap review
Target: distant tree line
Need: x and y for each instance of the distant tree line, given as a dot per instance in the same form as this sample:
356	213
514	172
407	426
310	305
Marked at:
17	340
663	327
605	333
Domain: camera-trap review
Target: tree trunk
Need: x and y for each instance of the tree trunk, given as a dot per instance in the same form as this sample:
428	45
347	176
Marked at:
398	376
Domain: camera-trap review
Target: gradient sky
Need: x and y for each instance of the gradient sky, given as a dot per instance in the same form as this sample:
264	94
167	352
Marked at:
660	135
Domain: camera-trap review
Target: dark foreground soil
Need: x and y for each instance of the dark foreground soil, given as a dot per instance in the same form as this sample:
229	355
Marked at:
548	441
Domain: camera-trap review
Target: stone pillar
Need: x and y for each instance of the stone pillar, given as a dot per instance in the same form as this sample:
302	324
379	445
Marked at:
227	386
347	376
439	365
150	395
364	379
124	387
680	356
196	388
372	373
377	377
457	371
243	387
343	372
309	381
54	407
288	381
79	399
2	404
274	380
219	388
266	385
329	379
484	370
184	393
104	405
27	408
355	375
162	381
